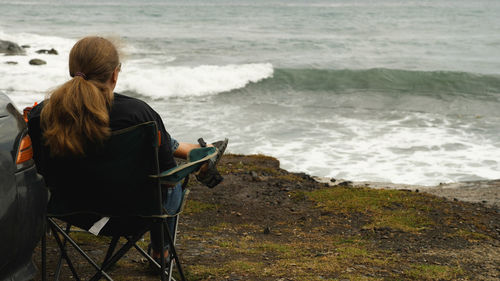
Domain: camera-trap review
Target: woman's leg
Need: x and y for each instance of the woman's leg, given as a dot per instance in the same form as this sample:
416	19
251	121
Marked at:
184	148
172	205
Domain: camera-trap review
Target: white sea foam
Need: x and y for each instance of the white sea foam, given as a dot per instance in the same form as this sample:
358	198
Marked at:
181	81
152	77
371	150
26	83
378	151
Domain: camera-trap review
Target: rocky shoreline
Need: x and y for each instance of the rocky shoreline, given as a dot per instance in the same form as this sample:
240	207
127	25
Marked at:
265	223
9	48
485	191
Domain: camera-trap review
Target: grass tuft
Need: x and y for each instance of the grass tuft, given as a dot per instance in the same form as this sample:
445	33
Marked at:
470	236
194	207
435	272
386	208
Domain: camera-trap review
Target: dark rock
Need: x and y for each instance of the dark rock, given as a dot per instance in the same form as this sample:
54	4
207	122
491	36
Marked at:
303	176
346	183
10	48
25	46
11	62
256	177
267	230
50	52
333	180
37	62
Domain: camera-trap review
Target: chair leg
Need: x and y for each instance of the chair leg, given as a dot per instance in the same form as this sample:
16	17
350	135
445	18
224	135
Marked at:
56	228
119	254
174	238
162	246
111	249
174	254
44	253
59	261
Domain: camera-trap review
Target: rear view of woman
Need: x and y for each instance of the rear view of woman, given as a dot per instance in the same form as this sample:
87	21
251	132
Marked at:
82	113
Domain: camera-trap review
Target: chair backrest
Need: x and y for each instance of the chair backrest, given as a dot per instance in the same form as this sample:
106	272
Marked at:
114	179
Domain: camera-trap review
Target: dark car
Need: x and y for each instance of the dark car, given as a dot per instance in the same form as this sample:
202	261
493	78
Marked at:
23	196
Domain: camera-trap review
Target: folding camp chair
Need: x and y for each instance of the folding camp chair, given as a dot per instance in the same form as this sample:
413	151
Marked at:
119	181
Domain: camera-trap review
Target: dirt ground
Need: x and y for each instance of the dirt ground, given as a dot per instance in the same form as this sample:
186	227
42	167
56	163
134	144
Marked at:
264	223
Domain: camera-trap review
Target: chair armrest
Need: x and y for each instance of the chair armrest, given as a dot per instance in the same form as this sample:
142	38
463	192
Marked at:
196	158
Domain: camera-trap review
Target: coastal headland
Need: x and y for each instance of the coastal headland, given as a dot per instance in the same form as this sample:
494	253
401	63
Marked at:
265	223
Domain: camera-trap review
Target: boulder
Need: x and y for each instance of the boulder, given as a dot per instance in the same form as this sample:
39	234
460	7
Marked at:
50	52
37	62
11	62
26	46
10	48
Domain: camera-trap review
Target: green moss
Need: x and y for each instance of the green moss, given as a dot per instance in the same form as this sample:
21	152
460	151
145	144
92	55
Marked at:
274	247
226	244
220	227
83	238
353	251
252	246
298	195
470	236
194	206
358	253
252	166
254	156
200	272
435	272
349	240
405	220
359	277
386	208
231	168
355	199
263	170
243	267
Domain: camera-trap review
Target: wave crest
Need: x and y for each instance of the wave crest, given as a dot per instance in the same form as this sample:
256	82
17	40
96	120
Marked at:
382	79
182	81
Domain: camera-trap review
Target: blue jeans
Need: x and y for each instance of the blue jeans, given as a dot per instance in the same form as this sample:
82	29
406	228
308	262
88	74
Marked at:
171	203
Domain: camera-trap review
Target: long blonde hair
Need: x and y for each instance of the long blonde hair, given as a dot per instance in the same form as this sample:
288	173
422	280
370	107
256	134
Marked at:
77	113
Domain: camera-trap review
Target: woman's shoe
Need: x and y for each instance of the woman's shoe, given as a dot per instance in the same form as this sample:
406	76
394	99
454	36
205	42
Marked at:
209	176
221	147
152	266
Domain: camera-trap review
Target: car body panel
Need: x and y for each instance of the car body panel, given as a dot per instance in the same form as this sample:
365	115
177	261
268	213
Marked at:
23	199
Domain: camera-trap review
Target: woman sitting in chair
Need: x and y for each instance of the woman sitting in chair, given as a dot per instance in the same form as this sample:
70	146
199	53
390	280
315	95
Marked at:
84	111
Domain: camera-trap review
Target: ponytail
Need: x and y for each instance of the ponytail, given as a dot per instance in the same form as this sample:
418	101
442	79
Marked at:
77	113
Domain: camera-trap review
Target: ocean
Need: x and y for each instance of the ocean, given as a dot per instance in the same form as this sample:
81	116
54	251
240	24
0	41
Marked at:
370	90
